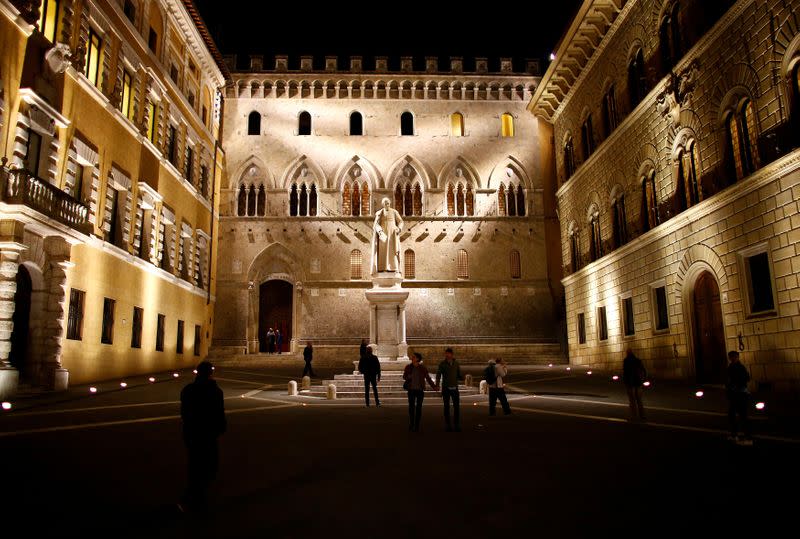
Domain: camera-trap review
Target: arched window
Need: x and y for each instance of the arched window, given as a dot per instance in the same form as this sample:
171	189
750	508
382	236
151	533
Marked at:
587	137
511	202
686	164
410	264
356	205
398	198
356	262
347	208
501	200
620	222
742	140
463	264
417	200
596	240
451	200
460	206
516	268
649	211
356	124
610	111
795	81
304	123
456	125
569	158
293	201
521	210
261	202
312	201
408	201
470	201
241	203
637	83
407	124
574	250
129	8
365	209
251	201
670	39
506	125
254	123
303	201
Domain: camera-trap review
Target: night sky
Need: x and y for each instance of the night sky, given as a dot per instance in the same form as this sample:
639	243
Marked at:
516	29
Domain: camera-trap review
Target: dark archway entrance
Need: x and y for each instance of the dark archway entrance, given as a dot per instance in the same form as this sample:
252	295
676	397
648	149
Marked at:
20	336
709	334
275	311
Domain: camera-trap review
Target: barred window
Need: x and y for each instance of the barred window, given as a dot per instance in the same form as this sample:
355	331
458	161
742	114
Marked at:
463	264
581	328
75	317
356	261
107	335
628	324
160	325
602	324
179	338
197	340
516	269
136	328
410	264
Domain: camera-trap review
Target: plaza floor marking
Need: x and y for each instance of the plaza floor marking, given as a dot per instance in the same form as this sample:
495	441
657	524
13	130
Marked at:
543	379
267	375
131	421
241	381
95	408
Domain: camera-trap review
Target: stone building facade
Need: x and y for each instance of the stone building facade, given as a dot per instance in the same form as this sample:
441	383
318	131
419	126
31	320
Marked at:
108	128
675	128
311	153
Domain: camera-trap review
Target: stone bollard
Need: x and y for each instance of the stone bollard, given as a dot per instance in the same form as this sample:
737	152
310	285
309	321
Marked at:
468	380
306	383
292	388
331	391
484	387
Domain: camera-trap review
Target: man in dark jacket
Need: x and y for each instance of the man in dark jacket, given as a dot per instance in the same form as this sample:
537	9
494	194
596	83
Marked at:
634	376
308	356
449	374
203	416
738	398
370	366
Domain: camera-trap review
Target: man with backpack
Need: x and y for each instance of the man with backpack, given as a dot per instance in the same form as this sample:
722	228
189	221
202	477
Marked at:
494	373
634	376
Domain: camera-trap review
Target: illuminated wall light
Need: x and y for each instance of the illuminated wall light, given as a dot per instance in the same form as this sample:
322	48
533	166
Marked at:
304	404
699	394
647	384
552	56
92	390
569	368
6	406
175	375
151	379
588	373
123	385
194	371
615	377
760	406
550	365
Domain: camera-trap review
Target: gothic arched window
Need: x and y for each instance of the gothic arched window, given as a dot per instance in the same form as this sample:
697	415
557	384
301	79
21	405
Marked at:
587	137
261	201
620	221
356	205
670	39
241	202
460	206
610	111
501	200
596	240
347	208
470	196
511	203
742	140
649	211
637	82
251	201
569	158
293	199
451	200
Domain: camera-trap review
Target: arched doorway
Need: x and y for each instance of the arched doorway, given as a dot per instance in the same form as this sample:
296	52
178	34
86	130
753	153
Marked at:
21	335
275	307
709	333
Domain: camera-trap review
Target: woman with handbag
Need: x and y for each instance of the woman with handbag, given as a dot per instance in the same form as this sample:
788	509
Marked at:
415	374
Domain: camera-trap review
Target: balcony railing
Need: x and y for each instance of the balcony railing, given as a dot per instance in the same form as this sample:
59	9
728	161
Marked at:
19	186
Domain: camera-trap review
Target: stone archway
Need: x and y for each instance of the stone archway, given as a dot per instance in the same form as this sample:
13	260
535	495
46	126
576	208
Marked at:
275	312
709	331
20	354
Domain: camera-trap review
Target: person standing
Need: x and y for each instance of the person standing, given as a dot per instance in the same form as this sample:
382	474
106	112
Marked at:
634	376
203	418
738	399
497	388
370	367
362	349
278	341
415	375
449	374
308	355
270	341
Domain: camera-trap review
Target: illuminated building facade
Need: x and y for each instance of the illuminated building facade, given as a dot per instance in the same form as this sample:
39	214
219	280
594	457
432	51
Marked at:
676	126
311	153
109	119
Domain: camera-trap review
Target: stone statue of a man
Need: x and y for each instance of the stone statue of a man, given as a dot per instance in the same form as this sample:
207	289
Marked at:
386	239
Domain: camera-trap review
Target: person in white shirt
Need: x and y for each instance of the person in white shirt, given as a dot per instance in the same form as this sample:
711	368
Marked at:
497	389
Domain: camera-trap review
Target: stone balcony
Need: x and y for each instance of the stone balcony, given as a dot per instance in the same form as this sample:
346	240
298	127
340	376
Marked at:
19	186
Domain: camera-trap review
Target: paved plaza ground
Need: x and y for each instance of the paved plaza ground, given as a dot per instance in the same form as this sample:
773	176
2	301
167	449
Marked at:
567	463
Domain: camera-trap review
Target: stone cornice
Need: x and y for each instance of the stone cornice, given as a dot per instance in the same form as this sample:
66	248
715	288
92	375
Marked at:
8	9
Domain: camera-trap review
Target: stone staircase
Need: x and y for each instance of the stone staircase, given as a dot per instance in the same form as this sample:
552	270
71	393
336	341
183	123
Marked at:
351	386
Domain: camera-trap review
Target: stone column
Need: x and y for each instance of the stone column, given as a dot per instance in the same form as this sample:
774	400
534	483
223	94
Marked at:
9	264
402	348
55	377
372	322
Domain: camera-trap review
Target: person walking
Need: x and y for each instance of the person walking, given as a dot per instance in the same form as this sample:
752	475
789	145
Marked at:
449	374
634	376
370	367
738	399
278	341
270	341
308	356
415	375
203	421
497	389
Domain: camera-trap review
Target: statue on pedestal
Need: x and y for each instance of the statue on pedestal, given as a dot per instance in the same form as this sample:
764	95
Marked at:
386	239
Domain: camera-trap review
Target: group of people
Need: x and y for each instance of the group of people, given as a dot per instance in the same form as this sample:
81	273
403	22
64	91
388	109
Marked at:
274	341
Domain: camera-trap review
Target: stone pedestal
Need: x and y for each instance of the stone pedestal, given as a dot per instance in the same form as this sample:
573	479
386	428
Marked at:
387	318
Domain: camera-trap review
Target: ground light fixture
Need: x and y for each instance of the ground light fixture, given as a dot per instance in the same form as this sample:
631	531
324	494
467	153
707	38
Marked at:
699	394
151	379
615	377
175	375
123	385
647	384
194	371
550	365
760	406
6	406
588	373
92	390
569	368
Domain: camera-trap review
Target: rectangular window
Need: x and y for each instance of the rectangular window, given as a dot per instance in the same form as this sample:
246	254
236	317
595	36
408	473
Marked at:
203	180
126	104
172	145
759	283
197	340
189	165
204	115
152	40
49	19
179	339
75	317
136	329
77	191
661	310
33	152
581	328
107	336
628	327
173	73
160	332
463	264
602	324
152	123
93	66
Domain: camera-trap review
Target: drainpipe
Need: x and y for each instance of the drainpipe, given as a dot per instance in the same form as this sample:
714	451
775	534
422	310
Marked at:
217	148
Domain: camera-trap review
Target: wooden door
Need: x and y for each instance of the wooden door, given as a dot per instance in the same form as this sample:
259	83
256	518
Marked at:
709	334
